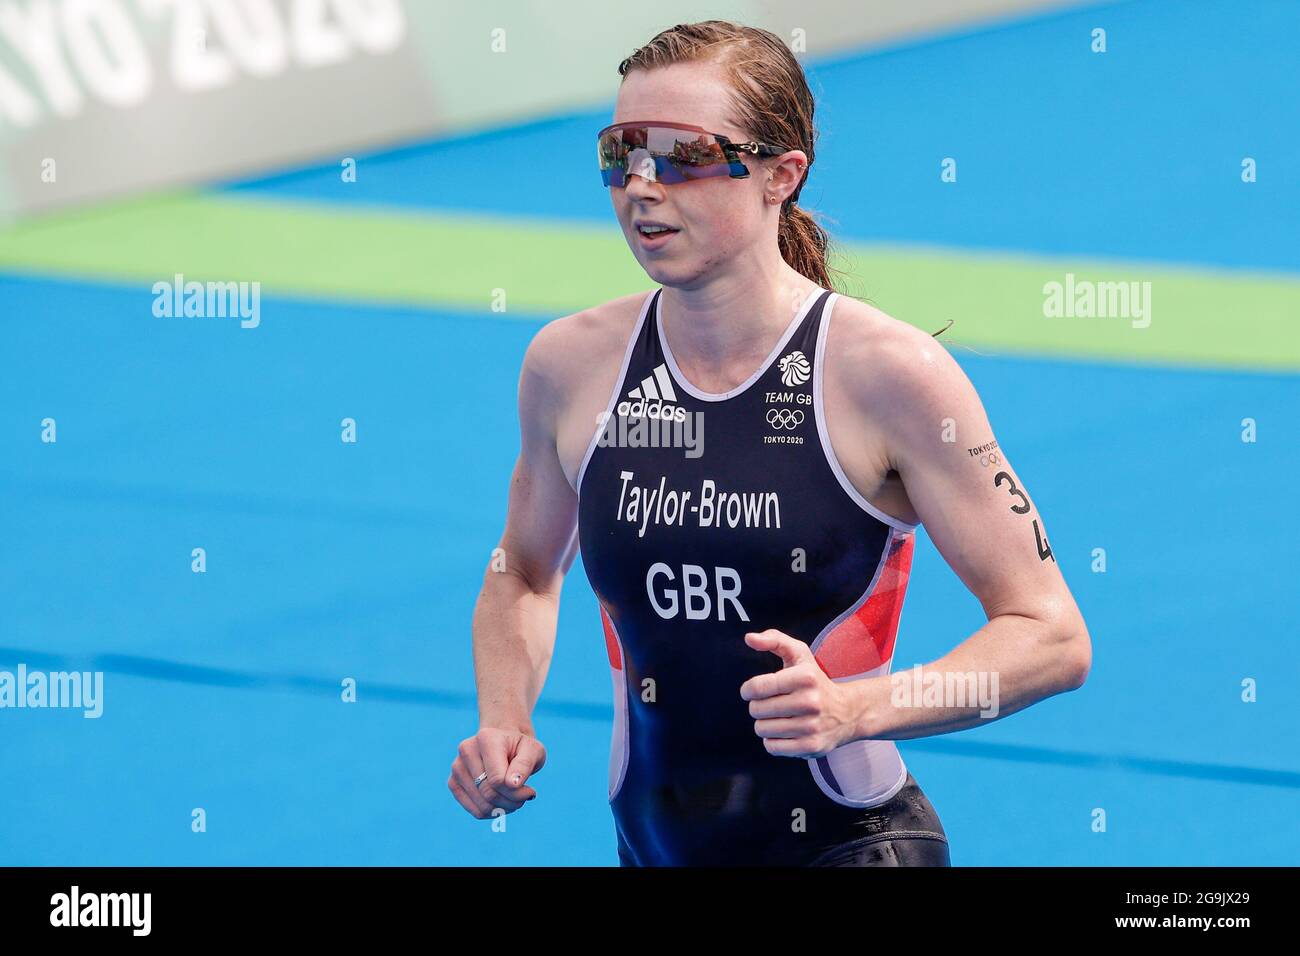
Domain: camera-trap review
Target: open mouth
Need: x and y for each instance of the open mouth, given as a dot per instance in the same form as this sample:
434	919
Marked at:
652	237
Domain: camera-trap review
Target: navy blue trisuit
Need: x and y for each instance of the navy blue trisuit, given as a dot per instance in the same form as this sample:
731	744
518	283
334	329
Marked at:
702	516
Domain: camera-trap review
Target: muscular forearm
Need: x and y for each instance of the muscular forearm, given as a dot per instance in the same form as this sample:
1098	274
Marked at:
1008	664
514	635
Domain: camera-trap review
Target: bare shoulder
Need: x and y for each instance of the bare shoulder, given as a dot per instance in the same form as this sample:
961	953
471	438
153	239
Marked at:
888	386
570	369
568	349
888	365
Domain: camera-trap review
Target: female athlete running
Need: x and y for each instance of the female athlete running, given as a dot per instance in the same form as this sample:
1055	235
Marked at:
742	457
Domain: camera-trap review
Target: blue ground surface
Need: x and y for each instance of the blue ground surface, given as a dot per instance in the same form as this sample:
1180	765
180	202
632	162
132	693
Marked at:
326	561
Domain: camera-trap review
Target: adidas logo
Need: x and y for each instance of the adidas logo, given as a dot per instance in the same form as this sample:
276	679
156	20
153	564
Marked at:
650	399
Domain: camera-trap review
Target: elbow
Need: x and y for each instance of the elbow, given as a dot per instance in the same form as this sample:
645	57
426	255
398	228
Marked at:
1080	665
1073	653
523	578
1062	647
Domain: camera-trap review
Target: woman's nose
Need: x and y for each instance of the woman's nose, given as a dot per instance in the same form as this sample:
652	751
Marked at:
641	163
639	188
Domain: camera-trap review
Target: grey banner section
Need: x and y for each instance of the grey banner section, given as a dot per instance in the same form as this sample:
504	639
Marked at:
101	98
104	97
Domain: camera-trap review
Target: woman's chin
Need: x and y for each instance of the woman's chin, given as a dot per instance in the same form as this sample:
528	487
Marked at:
674	274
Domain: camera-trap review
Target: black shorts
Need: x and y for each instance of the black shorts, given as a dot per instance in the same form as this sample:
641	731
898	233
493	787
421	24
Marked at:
903	831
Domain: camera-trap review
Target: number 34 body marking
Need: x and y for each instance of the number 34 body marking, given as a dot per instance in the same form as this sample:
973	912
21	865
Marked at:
1044	549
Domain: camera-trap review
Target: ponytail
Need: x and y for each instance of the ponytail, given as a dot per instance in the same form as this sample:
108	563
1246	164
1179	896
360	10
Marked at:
803	244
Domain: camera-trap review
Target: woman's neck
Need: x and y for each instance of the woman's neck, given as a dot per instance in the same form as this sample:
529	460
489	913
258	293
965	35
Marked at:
729	326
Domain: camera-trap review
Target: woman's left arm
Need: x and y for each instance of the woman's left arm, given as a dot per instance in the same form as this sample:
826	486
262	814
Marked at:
979	514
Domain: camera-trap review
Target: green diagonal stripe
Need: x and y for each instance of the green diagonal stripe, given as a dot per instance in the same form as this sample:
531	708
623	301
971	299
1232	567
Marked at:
1198	316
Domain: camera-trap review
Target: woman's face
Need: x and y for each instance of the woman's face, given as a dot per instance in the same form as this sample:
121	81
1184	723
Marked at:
717	218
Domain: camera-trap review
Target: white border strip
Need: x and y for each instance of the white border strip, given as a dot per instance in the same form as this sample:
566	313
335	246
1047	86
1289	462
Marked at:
871	748
613	395
822	432
889	794
767	362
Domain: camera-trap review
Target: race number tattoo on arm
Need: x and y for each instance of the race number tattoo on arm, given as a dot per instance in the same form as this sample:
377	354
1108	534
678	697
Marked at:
1023	507
1040	540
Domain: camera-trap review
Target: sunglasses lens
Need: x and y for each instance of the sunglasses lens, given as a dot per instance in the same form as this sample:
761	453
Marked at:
679	155
611	154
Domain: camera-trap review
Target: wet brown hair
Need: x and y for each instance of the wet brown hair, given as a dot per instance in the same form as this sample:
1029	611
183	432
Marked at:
770	100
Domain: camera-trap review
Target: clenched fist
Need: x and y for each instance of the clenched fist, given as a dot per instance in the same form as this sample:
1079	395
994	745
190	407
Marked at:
509	758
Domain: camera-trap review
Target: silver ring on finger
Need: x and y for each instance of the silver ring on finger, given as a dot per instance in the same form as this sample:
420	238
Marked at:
478	781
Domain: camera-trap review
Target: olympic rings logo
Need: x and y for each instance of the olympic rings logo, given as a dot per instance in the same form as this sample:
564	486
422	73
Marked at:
784	418
992	458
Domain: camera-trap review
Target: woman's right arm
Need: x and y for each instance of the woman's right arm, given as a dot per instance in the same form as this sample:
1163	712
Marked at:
518	606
